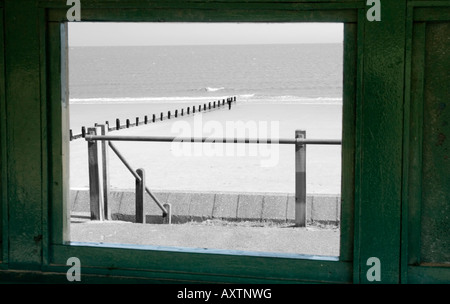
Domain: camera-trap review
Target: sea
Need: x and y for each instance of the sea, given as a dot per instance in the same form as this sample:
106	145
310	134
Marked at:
273	73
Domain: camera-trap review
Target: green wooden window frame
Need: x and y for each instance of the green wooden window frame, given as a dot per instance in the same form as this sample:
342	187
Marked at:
381	187
3	172
420	16
192	265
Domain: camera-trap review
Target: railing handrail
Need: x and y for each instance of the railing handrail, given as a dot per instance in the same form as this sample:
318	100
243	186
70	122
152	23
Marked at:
291	141
300	141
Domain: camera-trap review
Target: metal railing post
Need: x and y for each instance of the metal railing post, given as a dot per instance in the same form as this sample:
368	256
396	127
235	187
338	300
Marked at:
105	173
140	194
94	179
300	180
168	218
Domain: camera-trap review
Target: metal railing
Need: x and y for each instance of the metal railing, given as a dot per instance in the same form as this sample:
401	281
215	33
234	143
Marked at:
138	175
299	141
99	181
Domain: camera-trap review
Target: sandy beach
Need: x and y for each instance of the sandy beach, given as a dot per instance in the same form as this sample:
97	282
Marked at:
211	166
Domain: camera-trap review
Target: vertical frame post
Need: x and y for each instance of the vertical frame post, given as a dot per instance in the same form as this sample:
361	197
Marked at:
300	180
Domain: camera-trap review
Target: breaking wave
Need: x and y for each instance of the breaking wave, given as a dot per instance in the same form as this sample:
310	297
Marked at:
243	98
209	89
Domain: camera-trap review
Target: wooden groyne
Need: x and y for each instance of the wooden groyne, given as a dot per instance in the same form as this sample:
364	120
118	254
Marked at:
153	118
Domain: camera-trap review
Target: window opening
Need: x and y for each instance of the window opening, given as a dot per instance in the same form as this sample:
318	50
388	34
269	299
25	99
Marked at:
212	81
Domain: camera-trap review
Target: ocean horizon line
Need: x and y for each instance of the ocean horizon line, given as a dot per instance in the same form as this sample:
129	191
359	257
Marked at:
208	45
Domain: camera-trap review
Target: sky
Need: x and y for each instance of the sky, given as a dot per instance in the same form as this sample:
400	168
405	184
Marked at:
116	34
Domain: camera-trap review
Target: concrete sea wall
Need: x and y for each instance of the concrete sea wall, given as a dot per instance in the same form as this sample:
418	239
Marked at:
198	206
